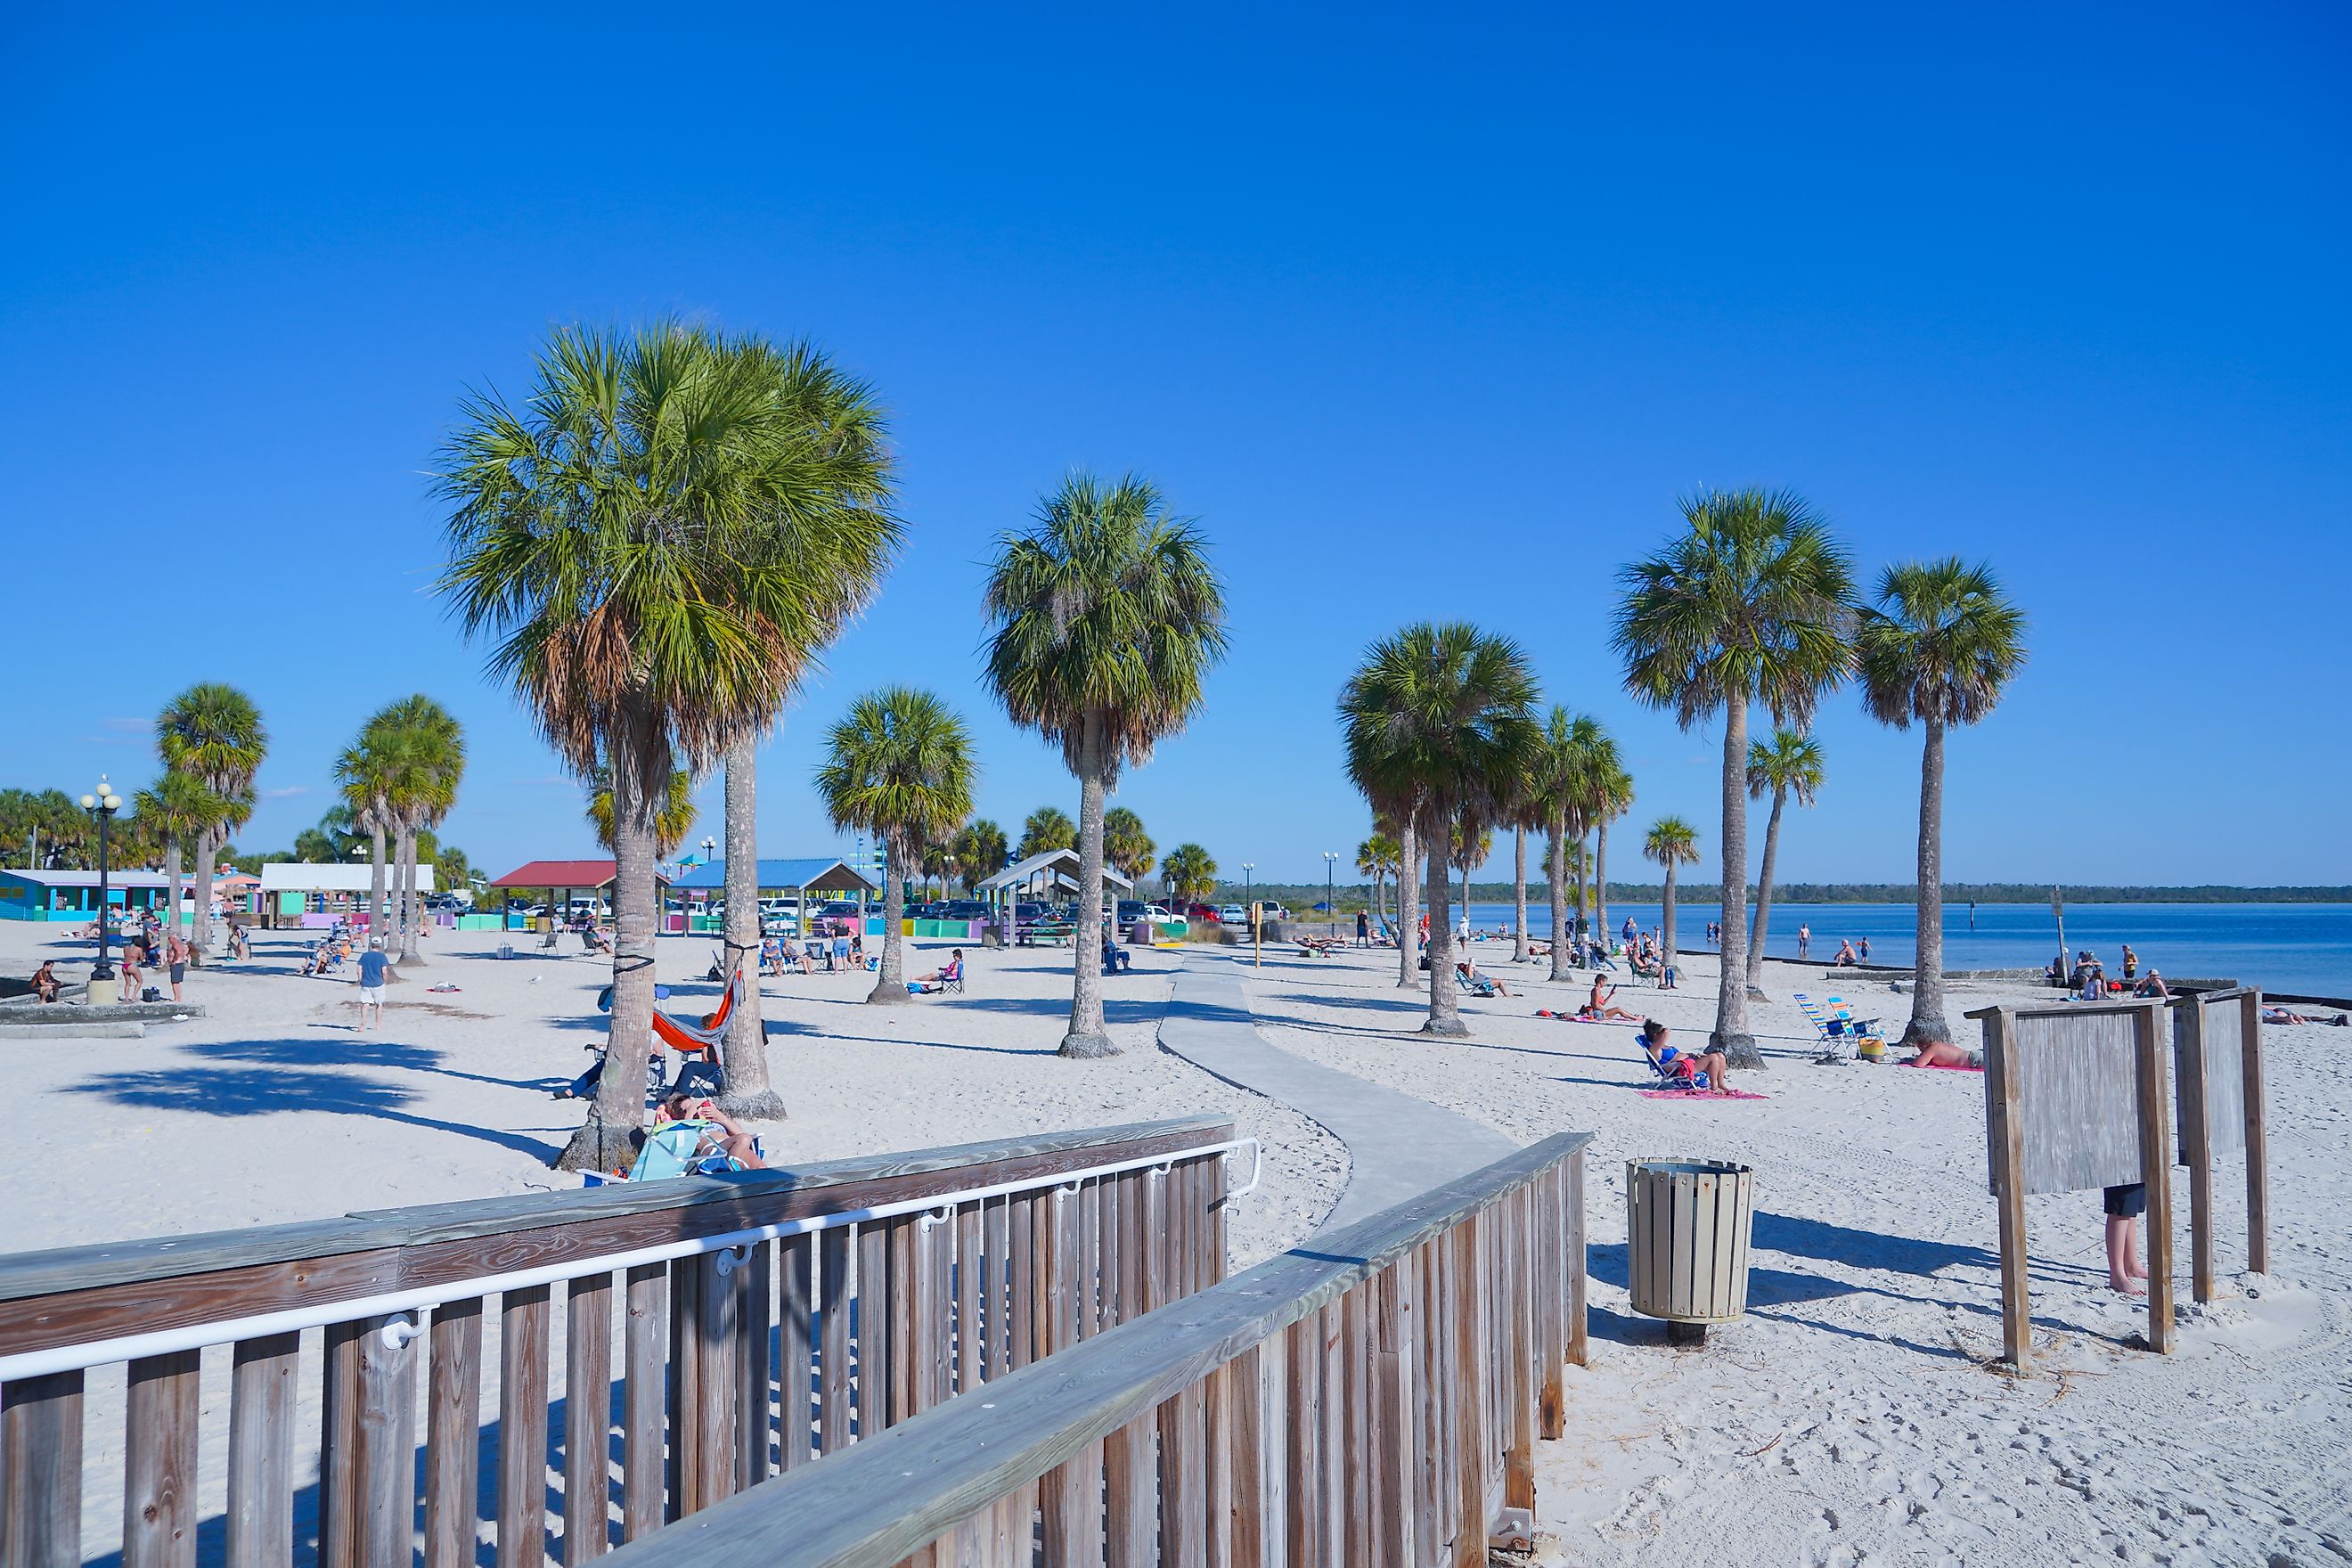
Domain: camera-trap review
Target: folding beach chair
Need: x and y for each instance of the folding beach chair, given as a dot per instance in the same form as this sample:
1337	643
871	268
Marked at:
1680	1073
1479	986
1838	1028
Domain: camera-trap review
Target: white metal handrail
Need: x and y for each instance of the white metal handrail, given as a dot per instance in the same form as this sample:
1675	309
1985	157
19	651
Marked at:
196	1336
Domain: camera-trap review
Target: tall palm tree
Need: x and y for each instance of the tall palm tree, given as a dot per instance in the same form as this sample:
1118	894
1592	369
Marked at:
367	774
1753	603
899	767
1672	843
1938	646
1126	844
176	810
1557	803
1473	848
1190	872
1105	619
1790	764
1438	720
1048	828
1611	797
214	733
1376	858
660	540
980	853
425	748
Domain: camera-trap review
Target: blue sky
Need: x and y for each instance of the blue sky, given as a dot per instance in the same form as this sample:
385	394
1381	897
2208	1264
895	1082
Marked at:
1421	313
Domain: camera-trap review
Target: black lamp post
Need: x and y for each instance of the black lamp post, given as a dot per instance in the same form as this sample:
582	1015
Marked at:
101	806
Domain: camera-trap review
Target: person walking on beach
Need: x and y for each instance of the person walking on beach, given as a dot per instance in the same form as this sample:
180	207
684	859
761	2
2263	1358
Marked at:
374	965
1804	940
1865	950
1363	928
134	955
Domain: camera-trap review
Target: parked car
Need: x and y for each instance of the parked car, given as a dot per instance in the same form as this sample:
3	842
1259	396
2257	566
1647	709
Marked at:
966	910
1131	910
1207	914
1233	914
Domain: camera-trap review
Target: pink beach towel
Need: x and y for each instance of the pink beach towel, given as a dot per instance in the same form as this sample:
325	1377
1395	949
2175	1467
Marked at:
1946	1067
1700	1094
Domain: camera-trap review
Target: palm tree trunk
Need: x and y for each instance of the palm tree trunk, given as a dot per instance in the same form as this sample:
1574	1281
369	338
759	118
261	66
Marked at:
1731	1035
1764	897
406	898
201	941
750	1094
1520	893
1601	881
172	862
1666	925
1556	872
1928	972
1408	874
619	1109
890	984
376	883
1087	1036
1444	1008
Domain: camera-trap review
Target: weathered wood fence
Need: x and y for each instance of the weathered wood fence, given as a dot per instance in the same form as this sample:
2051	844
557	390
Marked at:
761	1320
1371	1396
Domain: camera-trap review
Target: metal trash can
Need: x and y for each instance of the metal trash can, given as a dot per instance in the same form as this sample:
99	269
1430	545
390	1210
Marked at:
1687	1223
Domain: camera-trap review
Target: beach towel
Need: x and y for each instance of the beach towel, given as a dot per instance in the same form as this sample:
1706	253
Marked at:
1946	1067
1700	1094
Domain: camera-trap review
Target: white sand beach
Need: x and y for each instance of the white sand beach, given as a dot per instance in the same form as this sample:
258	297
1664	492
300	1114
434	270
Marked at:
1850	1418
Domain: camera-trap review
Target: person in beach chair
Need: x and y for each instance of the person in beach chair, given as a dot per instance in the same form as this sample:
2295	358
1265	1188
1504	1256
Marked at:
1706	1072
949	976
1318	946
1114	959
1466	977
593	940
692	1137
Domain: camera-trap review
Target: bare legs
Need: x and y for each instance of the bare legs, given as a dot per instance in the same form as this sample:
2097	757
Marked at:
2125	1270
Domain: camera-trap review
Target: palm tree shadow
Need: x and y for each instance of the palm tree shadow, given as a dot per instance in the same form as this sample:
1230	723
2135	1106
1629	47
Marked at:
210	1089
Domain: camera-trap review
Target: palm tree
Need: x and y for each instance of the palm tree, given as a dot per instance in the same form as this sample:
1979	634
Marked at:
367	772
900	768
1472	849
1558	800
1437	720
1190	871
1105	619
1396	797
1788	764
1671	842
937	863
175	809
673	821
1611	797
1753	603
1939	647
660	540
1048	828
1376	858
980	853
1126	844
425	753
213	733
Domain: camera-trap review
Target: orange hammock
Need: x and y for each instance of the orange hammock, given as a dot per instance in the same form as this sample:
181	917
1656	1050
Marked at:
690	1038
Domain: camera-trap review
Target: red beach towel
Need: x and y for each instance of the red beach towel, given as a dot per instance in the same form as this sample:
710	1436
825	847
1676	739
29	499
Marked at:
1700	1094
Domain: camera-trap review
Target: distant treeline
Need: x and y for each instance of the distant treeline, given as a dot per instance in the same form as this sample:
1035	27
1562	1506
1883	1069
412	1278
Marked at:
1300	895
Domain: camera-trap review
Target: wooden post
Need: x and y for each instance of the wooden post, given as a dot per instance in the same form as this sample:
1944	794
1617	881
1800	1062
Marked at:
387	1462
795	1322
873	1328
1306	1541
970	1360
587	1415
159	1492
1548	1301
262	1384
645	1340
1578	1345
1518	1382
1250	1529
40	1472
2155	1168
2008	1144
339	1497
2197	1143
834	1409
1470	1365
1395	1456
453	1434
2258	1163
522	1428
754	1376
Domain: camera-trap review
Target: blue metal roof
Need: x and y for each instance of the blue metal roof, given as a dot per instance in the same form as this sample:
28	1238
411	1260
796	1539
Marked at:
818	871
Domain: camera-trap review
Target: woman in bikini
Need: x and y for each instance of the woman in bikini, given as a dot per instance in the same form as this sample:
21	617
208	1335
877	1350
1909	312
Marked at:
1681	1064
1600	1011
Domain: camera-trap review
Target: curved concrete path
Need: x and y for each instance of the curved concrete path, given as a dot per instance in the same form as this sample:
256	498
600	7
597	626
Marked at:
1399	1147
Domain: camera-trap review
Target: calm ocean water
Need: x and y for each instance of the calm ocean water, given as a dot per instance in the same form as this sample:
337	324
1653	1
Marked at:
2305	949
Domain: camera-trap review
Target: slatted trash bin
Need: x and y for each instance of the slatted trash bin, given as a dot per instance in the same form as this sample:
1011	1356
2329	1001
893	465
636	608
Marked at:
1687	1223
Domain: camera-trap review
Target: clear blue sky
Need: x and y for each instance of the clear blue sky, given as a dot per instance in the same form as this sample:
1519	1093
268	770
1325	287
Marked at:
1421	315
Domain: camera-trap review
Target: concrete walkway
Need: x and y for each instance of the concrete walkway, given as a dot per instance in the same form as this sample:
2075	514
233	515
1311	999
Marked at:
1398	1146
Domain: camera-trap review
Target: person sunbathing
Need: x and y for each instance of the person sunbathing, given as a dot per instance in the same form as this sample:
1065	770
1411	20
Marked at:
46	984
722	1133
1944	1054
1845	954
2153	985
1600	1011
940	979
1471	977
2282	1015
1675	1063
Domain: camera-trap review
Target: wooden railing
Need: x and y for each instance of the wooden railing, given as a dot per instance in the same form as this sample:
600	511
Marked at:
1371	1396
763	1319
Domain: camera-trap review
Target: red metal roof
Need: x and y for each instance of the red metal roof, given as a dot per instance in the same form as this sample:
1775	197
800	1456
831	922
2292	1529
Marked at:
558	874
